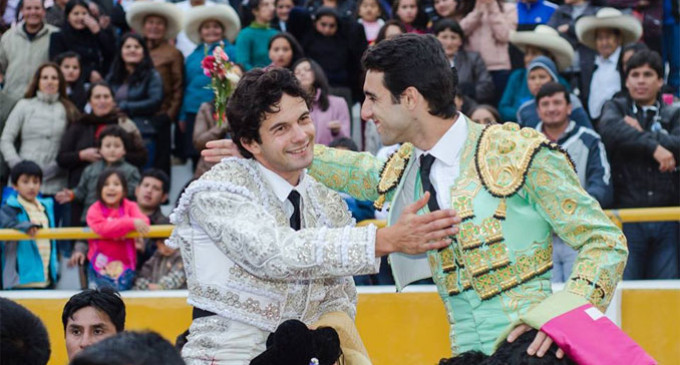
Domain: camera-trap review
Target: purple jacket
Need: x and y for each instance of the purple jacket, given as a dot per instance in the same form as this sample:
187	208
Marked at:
337	111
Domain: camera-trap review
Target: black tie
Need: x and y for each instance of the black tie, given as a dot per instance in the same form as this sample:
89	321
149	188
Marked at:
295	221
425	167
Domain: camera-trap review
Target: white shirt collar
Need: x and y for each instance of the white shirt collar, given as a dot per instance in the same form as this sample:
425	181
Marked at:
614	57
281	186
449	146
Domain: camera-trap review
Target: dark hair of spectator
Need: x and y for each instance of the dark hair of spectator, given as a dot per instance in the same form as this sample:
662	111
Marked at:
257	94
550	89
159	175
294	46
20	6
390	23
130	348
119	73
105	300
448	24
254	5
70	5
101	83
345	142
114	130
491	109
326	11
23	336
421	20
418	61
25	167
294	343
101	181
381	8
635	47
645	57
320	82
72	113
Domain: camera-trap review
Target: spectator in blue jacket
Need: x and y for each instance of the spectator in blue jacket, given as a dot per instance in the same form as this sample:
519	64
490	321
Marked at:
531	13
541	71
27	263
586	151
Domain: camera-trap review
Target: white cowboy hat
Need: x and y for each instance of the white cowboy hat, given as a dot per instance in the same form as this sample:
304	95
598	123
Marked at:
224	14
630	27
546	38
139	10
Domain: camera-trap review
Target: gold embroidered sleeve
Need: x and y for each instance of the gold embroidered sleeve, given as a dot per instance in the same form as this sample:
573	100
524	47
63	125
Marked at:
354	173
554	189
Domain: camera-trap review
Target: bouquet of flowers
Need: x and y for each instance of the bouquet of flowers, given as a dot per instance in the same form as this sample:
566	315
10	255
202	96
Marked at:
224	78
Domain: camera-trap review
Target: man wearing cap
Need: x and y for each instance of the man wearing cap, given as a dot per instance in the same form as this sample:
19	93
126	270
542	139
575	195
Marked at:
605	32
263	242
160	22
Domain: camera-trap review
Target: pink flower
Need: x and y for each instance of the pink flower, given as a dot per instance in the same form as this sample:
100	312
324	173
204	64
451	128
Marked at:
208	65
220	55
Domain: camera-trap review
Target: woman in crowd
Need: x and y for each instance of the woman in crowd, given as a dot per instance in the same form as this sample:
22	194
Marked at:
284	50
447	9
485	114
160	22
474	80
252	41
282	10
86	36
329	113
487	25
391	29
209	27
411	14
78	145
137	87
542	41
37	124
70	65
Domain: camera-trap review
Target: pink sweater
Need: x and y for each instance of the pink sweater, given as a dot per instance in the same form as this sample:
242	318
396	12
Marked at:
107	252
488	32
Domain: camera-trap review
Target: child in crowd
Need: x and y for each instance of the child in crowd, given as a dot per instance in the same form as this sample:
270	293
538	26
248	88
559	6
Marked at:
163	271
27	263
112	144
69	63
113	258
151	192
370	14
412	14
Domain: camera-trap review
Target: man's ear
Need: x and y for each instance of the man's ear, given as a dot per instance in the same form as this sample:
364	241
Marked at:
251	146
410	97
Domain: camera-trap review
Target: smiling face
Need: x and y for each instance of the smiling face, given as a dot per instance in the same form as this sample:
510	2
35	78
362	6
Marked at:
287	139
70	67
451	42
33	12
154	27
113	191
49	81
281	52
211	31
86	327
392	120
554	110
445	8
643	84
537	78
407	11
76	18
101	101
132	52
607	41
283	8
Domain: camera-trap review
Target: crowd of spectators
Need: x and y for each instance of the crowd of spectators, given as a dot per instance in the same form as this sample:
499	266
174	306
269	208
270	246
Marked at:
99	98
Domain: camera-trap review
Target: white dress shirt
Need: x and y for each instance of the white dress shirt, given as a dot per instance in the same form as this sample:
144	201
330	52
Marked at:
605	83
446	166
282	189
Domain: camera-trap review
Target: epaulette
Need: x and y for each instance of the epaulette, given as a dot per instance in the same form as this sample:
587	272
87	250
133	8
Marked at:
392	172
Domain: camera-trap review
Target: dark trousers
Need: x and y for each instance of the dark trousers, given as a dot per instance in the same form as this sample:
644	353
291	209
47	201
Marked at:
184	144
652	250
500	80
162	123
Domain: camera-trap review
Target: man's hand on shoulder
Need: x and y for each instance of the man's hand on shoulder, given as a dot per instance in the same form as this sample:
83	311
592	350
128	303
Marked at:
215	151
415	234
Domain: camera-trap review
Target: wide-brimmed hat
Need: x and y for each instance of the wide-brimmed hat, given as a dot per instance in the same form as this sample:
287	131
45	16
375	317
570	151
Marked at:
629	26
546	38
224	14
139	10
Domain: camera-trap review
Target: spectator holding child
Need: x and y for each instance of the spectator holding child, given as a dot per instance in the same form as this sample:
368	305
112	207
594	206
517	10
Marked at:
112	146
113	258
28	263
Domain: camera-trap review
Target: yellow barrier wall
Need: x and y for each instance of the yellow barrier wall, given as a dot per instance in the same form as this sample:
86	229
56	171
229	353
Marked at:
405	328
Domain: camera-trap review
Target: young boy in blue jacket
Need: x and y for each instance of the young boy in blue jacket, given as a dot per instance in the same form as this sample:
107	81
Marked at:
27	263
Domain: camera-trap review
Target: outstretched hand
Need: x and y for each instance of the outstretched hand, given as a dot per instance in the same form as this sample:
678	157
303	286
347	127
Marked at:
415	234
215	151
539	346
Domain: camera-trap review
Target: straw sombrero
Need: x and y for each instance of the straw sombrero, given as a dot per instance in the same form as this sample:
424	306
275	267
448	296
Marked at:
547	38
141	9
630	27
224	14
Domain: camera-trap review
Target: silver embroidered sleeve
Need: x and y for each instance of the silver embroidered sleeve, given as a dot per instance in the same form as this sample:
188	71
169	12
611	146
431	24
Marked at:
249	235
